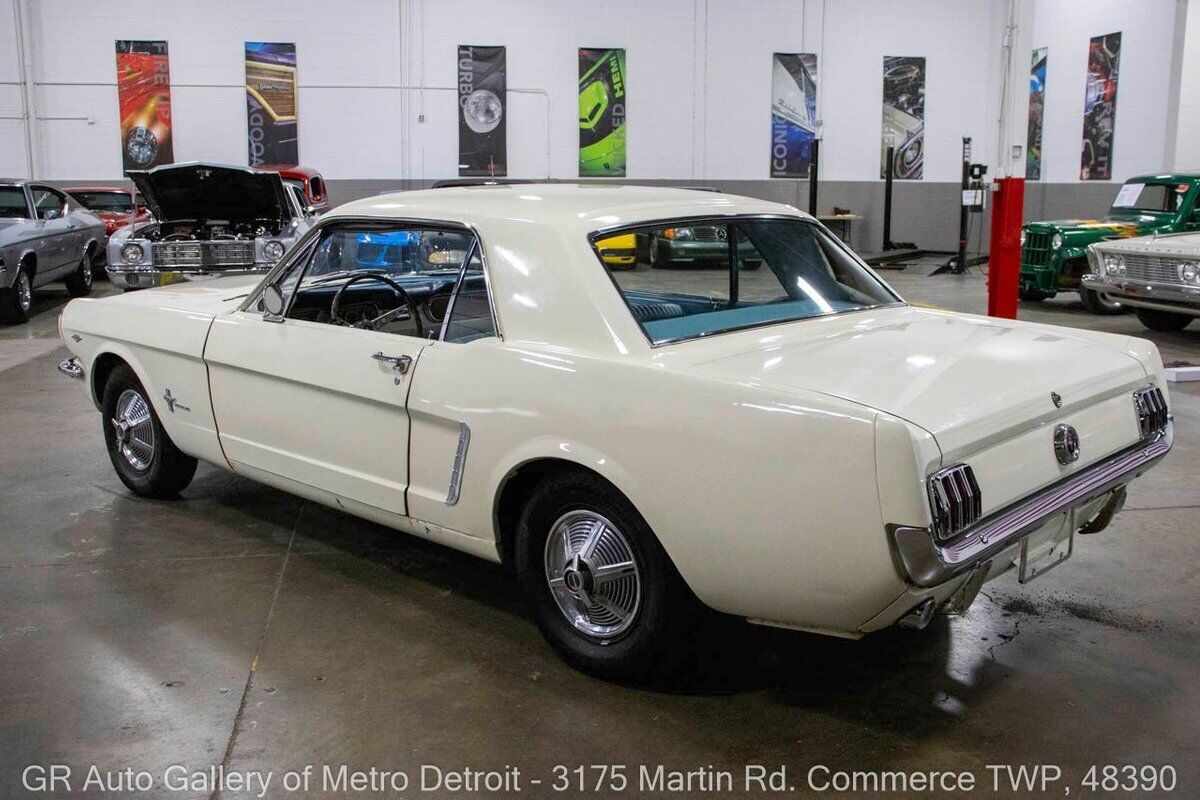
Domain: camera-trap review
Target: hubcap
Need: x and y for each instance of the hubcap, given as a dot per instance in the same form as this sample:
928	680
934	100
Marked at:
85	271
593	574
134	430
24	290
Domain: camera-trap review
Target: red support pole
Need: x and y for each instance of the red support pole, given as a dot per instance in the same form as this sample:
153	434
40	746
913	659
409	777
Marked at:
1004	259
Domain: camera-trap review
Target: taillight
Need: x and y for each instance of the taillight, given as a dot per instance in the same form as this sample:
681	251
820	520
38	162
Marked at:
1151	410
956	500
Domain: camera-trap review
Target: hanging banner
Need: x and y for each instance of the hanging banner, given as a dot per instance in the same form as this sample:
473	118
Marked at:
793	114
1037	108
144	99
482	92
601	113
903	116
271	103
1100	107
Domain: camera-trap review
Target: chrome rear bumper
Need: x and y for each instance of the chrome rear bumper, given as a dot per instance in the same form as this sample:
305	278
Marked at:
927	562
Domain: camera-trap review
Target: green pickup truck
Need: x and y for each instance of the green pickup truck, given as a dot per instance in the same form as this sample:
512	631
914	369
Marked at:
1054	253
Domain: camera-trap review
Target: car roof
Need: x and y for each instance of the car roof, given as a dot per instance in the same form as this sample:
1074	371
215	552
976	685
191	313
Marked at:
594	206
1165	177
119	189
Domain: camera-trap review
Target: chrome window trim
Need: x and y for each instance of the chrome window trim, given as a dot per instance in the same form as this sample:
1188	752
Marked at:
924	561
726	219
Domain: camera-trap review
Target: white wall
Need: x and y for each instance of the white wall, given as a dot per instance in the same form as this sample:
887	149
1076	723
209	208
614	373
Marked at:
1184	145
699	80
1143	92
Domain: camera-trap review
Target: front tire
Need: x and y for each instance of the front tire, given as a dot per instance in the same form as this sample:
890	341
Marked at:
79	282
145	458
1032	295
1099	303
1163	321
16	303
602	590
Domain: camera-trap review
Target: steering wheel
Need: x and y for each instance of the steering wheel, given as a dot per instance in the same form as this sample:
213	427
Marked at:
407	307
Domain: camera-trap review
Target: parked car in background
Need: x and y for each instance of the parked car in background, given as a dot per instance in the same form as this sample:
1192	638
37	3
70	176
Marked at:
1157	276
796	445
309	181
209	219
696	246
1054	253
619	251
45	236
114	205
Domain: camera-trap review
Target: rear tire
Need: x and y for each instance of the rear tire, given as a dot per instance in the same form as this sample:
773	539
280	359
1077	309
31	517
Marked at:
1099	303
79	282
16	303
145	458
629	627
1163	321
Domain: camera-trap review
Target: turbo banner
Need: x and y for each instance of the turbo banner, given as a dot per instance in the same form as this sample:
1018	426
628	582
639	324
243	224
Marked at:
271	103
793	114
144	99
1037	109
601	113
1100	107
903	117
482	92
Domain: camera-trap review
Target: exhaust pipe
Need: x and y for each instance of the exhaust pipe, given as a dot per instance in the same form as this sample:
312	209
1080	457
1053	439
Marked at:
919	616
1110	509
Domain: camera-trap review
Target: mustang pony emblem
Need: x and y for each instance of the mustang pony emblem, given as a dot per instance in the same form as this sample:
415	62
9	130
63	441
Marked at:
1056	398
173	403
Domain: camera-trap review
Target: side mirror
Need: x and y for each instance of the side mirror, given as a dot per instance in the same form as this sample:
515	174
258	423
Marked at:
51	213
310	211
273	303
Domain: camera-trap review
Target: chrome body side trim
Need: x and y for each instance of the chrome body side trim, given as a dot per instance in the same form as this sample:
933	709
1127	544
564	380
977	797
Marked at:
926	562
71	368
460	458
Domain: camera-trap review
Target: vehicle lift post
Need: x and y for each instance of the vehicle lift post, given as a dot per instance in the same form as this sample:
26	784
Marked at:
812	177
1004	264
887	198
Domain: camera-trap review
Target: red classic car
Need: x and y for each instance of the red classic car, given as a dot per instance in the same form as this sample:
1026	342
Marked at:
112	204
308	179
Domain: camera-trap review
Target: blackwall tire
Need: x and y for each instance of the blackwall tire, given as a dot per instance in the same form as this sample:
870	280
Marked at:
16	302
1163	321
1032	295
1100	304
144	457
79	283
660	608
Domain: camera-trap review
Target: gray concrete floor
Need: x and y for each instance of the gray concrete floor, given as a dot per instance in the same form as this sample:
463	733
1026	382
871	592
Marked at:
241	626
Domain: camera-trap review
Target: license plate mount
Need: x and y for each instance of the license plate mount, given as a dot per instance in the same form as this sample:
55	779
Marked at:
1045	550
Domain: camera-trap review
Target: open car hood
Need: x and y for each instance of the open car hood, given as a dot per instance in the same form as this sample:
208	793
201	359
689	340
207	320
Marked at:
211	192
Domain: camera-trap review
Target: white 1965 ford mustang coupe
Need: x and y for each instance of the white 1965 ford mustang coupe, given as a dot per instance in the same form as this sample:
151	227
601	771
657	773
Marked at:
788	441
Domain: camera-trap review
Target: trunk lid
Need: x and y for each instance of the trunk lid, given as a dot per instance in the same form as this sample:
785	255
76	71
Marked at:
211	192
970	381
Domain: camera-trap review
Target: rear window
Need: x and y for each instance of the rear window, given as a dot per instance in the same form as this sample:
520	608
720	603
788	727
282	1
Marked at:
1155	197
691	279
105	201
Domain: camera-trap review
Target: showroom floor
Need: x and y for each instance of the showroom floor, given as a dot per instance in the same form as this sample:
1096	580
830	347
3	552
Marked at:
246	627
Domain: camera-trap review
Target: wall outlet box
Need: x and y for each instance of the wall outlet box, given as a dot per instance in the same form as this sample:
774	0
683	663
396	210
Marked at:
1182	374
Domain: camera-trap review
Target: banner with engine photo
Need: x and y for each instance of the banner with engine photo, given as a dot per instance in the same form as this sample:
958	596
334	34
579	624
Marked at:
1100	107
903	117
271	103
793	114
482	123
601	113
144	100
1037	109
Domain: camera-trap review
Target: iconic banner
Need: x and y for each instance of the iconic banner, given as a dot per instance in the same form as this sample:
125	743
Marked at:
601	113
903	116
1100	107
1037	108
793	114
144	99
482	90
271	103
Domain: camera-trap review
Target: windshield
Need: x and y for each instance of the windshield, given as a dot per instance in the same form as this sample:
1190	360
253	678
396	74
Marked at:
391	251
12	202
105	201
1153	198
697	278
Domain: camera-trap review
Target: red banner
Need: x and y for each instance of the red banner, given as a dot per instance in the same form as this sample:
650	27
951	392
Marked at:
144	95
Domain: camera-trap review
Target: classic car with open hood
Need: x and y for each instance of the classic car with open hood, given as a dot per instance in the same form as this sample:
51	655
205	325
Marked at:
209	219
1054	253
794	445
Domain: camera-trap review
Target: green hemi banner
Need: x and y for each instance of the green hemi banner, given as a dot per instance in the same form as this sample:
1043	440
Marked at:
601	113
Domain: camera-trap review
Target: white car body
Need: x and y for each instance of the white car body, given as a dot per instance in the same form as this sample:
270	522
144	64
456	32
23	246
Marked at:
783	468
1156	273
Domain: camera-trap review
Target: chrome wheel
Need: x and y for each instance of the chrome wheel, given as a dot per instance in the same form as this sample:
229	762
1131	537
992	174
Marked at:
593	574
134	430
24	289
85	271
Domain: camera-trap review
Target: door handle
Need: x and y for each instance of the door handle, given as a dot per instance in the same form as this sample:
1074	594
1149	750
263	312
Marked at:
400	364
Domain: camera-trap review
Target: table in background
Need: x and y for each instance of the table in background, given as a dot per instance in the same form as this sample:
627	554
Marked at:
846	221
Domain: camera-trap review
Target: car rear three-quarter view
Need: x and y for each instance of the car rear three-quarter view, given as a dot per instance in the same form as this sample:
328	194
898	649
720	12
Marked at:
777	436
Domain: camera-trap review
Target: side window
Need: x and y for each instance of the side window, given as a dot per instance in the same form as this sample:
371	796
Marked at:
46	199
471	313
